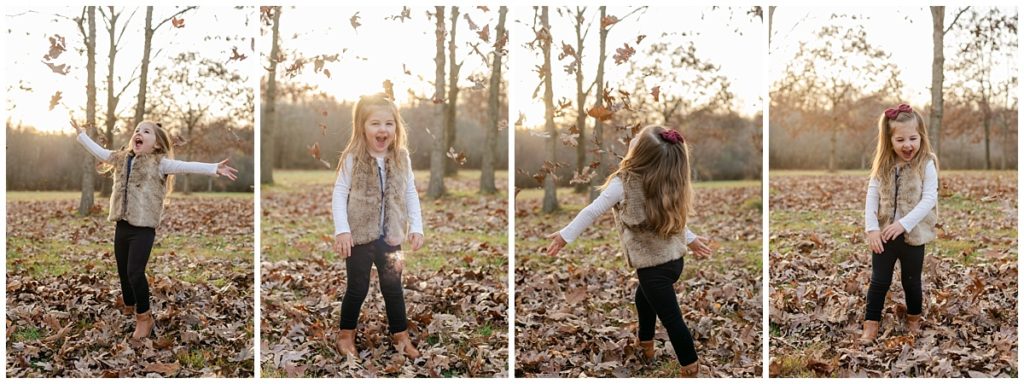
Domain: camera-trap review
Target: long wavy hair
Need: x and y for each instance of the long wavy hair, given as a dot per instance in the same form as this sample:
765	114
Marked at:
885	156
357	140
663	168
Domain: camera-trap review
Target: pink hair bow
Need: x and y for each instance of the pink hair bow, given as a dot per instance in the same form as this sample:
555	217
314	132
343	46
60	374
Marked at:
891	113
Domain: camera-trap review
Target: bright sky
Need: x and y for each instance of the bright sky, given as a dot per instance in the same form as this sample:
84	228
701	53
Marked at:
27	40
905	33
712	32
379	49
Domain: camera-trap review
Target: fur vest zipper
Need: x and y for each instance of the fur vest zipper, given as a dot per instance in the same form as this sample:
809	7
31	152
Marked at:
365	199
902	195
137	196
643	246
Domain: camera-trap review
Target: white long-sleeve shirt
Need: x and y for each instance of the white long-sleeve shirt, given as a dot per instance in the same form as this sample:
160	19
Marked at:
608	198
342	187
167	166
929	197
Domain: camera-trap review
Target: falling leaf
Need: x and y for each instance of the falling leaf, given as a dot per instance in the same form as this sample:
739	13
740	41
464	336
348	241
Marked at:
54	100
62	69
459	157
623	54
567	51
235	55
640	38
485	33
327	72
57	47
177	23
323	129
472	25
389	89
568	139
656	92
483	8
402	17
601	113
314	150
354	20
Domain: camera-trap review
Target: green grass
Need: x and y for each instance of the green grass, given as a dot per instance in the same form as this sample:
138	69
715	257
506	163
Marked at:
27	334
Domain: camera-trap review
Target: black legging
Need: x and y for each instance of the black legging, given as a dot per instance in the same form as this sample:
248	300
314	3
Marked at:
656	298
911	260
388	259
132	246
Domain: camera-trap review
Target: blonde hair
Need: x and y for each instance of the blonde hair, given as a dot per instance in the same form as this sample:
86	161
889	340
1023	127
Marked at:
162	146
664	171
356	146
885	156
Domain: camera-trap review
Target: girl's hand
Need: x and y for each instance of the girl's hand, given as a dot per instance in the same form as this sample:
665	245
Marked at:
78	129
891	231
343	244
699	248
557	243
223	169
415	240
875	241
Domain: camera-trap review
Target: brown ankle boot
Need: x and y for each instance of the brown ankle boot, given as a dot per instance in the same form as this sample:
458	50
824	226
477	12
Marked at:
647	350
144	323
870	332
690	371
913	324
404	345
346	342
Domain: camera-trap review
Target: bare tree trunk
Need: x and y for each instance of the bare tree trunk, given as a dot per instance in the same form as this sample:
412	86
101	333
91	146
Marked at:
269	115
140	107
938	58
107	183
833	143
550	188
494	115
436	188
602	152
450	167
771	17
89	163
581	99
986	123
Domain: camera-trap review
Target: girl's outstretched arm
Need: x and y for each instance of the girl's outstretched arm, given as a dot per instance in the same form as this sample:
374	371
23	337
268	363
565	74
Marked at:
171	166
96	150
608	198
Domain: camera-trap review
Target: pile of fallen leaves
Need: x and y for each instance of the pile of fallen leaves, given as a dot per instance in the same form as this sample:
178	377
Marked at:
821	268
575	315
66	323
457	313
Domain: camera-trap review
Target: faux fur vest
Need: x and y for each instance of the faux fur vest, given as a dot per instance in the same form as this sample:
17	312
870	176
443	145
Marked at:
910	189
365	199
641	243
139	197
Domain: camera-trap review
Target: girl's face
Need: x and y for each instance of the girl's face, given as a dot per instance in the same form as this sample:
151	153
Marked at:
144	139
380	131
905	139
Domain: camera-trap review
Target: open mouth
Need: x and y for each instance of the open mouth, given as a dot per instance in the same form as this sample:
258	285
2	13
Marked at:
381	140
907	153
137	141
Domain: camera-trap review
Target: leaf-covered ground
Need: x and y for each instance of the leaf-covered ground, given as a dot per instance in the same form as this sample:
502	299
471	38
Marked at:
455	286
821	267
62	287
575	315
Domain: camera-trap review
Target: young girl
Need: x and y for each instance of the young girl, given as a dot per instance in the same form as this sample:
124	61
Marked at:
651	195
900	212
142	172
376	194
